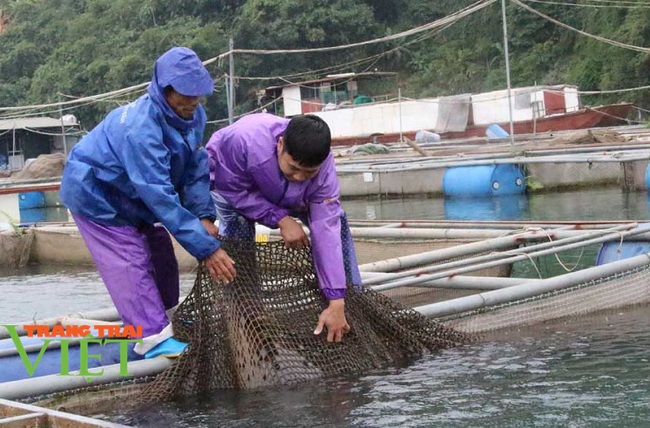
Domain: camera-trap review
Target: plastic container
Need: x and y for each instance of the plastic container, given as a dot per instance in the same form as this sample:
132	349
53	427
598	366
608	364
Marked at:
31	200
494	131
483	180
426	137
616	250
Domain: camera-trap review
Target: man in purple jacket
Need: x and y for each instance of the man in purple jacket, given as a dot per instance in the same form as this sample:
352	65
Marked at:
267	169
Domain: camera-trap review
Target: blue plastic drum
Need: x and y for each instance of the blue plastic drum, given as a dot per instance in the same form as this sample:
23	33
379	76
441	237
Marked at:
483	180
31	200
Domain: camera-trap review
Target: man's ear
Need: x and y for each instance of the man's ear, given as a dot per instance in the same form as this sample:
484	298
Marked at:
280	144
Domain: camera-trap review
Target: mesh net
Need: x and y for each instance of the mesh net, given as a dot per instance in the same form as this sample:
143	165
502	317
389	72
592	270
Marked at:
625	288
615	291
258	330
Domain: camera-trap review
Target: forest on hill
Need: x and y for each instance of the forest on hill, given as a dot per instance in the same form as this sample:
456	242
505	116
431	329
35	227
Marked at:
54	50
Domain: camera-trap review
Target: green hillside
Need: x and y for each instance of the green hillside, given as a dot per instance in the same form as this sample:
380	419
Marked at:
54	50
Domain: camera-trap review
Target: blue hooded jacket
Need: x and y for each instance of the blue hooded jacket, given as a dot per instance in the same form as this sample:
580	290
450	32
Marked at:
144	164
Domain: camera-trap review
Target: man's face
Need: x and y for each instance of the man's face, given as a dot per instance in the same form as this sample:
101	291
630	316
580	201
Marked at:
184	106
291	169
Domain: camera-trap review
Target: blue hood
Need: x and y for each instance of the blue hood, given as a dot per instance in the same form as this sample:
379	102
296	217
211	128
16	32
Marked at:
181	69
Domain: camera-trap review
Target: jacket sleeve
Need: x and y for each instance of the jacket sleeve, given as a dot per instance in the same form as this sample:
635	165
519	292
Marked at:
239	188
146	160
196	188
325	226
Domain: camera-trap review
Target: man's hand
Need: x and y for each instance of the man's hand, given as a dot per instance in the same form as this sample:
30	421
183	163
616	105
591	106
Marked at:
293	234
210	227
220	266
333	318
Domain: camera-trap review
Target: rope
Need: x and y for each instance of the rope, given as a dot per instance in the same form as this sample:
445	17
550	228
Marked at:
568	27
625	5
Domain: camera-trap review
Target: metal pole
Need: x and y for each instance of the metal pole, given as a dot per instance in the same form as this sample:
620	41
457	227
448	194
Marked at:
13	145
231	88
505	47
65	145
399	102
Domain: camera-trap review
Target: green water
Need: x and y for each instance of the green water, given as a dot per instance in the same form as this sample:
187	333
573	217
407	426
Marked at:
587	372
591	372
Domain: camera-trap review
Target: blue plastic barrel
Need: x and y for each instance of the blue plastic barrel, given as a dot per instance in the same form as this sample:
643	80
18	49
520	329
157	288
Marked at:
31	200
33	215
483	180
647	177
495	131
616	250
512	207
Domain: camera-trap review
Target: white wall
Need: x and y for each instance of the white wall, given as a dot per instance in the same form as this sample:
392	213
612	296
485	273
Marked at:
292	100
571	98
9	207
365	120
492	107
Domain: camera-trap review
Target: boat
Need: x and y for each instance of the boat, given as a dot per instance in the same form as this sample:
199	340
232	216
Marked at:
355	118
584	118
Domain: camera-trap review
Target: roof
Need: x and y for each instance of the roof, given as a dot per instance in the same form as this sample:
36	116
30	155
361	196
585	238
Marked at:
331	77
35	123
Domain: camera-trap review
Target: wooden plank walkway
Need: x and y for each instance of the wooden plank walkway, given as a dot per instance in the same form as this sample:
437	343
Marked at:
18	415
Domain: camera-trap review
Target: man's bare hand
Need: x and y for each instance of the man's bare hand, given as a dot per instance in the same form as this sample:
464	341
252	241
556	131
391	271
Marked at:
293	234
333	318
221	266
210	227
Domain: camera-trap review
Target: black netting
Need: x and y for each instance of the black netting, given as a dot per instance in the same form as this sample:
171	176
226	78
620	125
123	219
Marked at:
258	330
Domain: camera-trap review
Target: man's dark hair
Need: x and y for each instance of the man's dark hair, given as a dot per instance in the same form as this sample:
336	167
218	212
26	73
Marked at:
307	139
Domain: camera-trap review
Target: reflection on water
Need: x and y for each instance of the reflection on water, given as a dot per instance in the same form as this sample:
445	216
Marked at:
599	204
41	215
588	372
486	209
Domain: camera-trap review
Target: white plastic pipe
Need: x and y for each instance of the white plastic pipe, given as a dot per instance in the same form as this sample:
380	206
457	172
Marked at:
556	246
109	314
470	282
532	288
405	262
444	274
42	385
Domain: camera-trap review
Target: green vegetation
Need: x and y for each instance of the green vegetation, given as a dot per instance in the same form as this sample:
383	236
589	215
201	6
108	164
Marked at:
58	48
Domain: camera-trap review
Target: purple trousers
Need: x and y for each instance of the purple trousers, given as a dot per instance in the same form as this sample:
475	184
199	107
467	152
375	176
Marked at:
139	269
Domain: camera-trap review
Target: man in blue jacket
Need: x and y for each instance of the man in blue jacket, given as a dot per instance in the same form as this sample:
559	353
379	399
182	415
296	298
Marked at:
141	173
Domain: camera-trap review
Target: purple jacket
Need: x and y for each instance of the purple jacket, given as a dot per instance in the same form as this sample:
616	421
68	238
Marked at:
244	170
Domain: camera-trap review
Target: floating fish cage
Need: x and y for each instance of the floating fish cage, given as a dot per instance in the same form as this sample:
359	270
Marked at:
440	283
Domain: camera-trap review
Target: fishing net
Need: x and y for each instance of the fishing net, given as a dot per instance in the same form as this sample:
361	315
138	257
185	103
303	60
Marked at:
257	331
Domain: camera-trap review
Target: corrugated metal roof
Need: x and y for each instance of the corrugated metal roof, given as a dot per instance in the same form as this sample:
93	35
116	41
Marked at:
33	123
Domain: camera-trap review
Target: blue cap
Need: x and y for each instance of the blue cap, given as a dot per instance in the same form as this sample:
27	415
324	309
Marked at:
182	69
